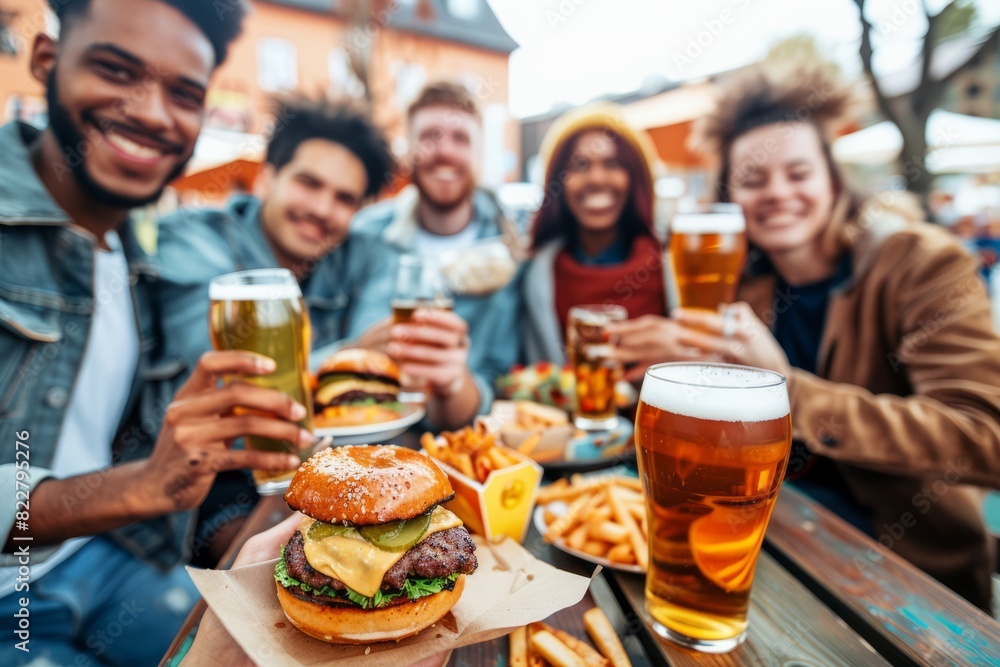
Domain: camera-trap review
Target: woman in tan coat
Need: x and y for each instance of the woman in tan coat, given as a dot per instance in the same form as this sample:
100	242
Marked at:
879	321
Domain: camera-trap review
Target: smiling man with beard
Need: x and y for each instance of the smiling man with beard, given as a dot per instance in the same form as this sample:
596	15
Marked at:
109	513
324	160
450	223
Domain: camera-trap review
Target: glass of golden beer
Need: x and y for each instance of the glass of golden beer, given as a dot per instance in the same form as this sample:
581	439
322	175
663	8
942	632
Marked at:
589	348
707	250
712	443
418	285
262	311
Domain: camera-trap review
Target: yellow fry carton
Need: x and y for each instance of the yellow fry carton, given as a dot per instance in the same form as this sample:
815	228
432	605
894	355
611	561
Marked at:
502	505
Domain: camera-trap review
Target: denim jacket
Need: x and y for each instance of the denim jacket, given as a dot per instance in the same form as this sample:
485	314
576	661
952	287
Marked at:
46	304
492	318
196	245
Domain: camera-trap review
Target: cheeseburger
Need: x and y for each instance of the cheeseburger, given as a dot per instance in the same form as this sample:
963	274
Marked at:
376	557
357	386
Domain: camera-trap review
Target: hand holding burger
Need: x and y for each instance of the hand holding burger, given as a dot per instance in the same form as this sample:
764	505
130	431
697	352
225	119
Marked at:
214	646
375	558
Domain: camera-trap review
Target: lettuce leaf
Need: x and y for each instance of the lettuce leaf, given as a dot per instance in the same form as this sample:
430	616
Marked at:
413	587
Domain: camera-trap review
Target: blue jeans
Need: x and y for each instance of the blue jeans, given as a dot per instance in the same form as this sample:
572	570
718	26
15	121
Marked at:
100	607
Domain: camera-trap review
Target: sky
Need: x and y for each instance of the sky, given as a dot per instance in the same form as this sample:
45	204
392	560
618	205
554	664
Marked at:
575	50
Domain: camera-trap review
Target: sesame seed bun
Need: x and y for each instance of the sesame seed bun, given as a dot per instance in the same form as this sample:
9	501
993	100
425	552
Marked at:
365	485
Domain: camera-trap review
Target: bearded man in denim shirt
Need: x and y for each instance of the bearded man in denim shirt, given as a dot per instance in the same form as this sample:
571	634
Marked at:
450	223
104	530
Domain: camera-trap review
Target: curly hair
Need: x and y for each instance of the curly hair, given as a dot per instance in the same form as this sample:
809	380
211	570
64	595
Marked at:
221	22
299	119
812	93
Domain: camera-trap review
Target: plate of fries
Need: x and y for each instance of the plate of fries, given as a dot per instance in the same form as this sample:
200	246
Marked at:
540	644
599	519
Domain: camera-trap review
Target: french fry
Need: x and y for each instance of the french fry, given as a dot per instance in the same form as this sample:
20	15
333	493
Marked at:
529	443
548	516
621	553
629	483
430	445
623	517
519	648
555	651
608	531
498	458
534	657
595	548
591	658
483	467
571	492
600	513
577	537
569	519
604	637
464	464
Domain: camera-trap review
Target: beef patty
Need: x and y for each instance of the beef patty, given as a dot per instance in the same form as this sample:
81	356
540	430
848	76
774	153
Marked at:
447	552
358	396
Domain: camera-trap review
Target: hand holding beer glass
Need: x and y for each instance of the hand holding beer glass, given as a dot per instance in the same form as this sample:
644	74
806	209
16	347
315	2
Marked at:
262	311
418	285
712	443
590	350
707	251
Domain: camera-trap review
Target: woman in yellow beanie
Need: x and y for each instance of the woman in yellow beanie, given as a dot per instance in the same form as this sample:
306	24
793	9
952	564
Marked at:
592	238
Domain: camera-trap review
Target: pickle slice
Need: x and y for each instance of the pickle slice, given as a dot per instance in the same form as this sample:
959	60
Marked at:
397	536
320	530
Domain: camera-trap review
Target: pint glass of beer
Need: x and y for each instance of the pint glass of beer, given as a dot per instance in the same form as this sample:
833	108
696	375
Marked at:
262	311
707	250
418	285
712	443
589	350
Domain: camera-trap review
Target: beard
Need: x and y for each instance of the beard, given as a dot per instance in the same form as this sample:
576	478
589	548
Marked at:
443	205
71	140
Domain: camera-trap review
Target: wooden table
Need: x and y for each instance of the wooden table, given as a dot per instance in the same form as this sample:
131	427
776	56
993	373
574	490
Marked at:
819	599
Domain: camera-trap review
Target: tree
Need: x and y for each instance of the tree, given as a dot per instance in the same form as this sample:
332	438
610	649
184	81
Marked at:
8	39
911	110
366	20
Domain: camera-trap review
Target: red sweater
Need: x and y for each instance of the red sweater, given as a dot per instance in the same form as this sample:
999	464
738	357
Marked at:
636	283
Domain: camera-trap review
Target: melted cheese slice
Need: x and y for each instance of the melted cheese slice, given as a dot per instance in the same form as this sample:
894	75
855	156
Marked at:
356	561
328	392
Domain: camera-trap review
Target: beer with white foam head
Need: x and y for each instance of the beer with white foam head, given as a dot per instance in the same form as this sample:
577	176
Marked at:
707	250
712	443
262	311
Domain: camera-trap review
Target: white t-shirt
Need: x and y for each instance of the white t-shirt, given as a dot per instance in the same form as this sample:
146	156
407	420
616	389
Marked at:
430	247
97	402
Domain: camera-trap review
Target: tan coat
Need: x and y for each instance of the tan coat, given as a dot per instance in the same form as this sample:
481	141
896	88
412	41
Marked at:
907	397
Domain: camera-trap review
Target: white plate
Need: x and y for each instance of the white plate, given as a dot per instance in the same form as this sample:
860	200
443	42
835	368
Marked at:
559	508
371	434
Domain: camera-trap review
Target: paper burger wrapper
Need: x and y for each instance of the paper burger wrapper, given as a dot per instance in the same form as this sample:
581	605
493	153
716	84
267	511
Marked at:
510	588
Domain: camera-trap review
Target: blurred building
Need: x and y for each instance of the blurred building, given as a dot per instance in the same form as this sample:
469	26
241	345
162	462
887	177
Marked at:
315	47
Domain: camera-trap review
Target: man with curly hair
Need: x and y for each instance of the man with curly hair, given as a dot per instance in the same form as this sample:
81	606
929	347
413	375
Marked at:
324	161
